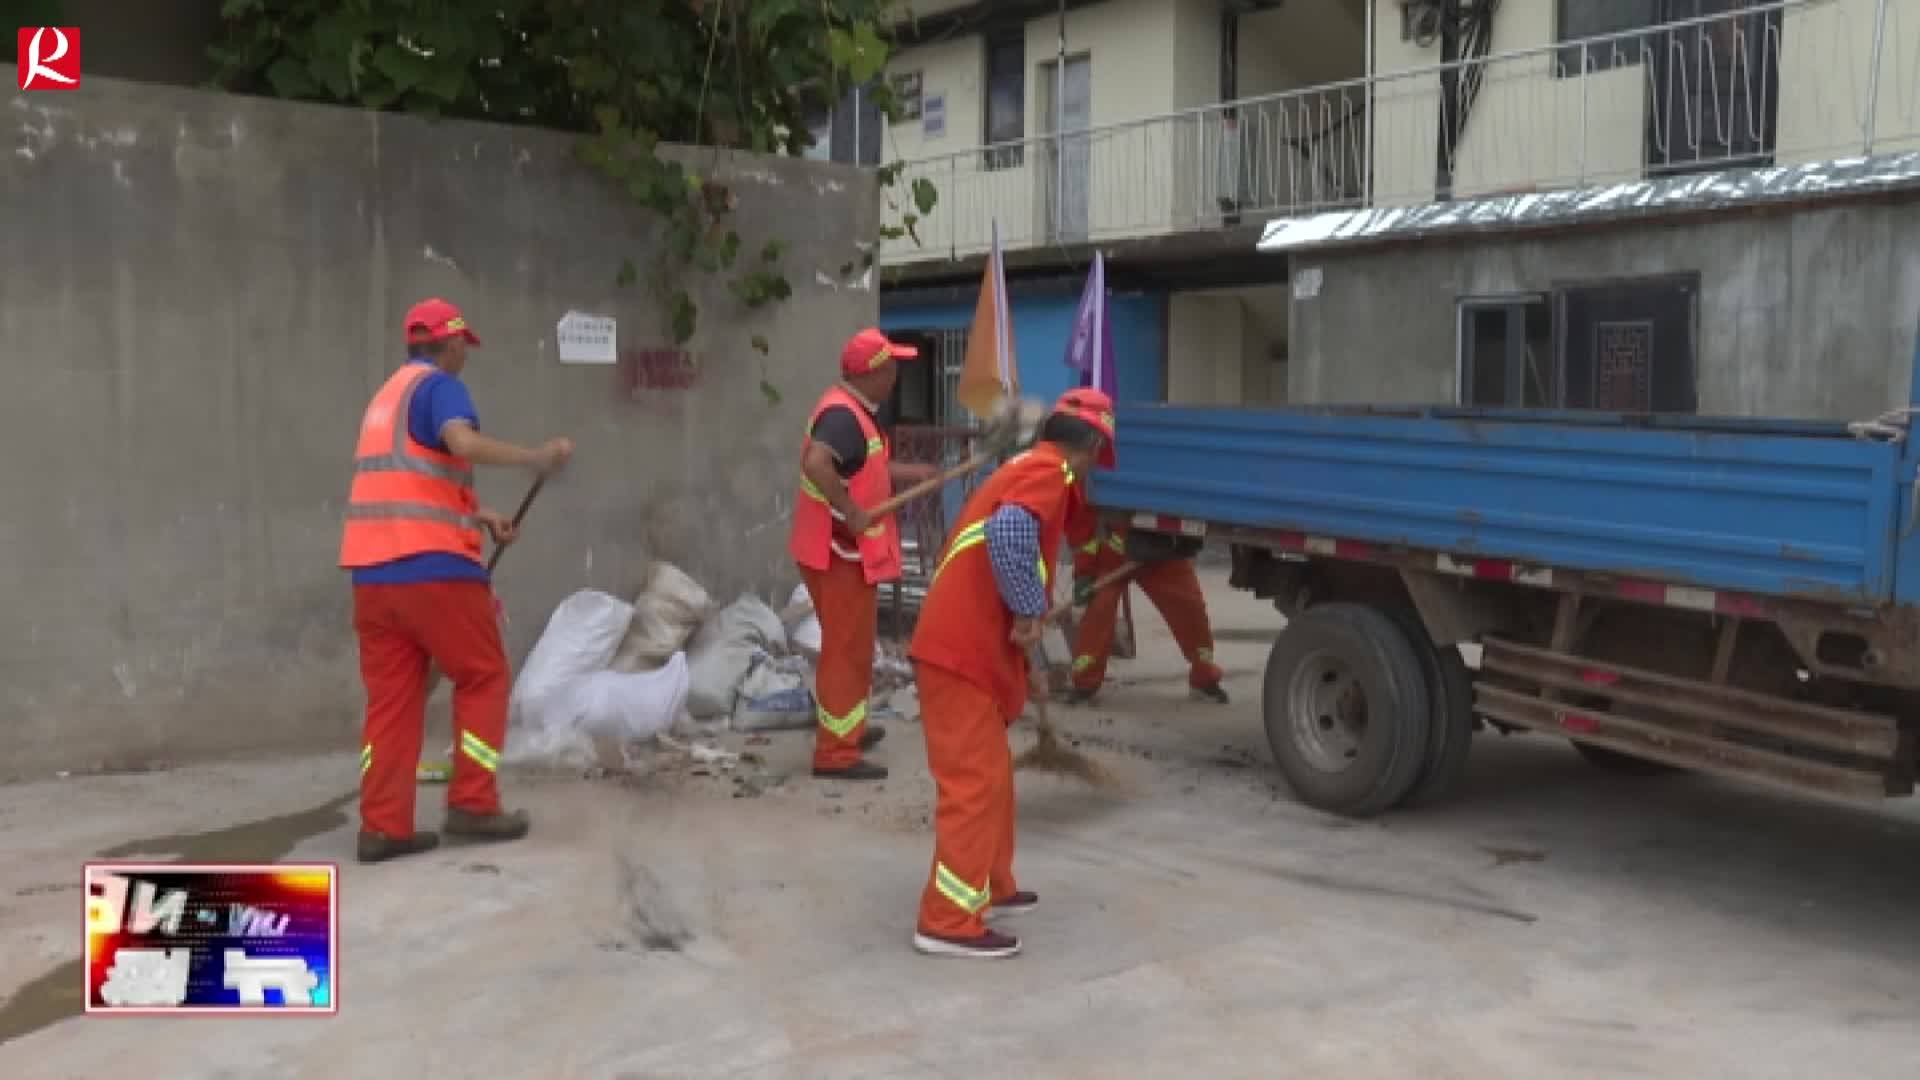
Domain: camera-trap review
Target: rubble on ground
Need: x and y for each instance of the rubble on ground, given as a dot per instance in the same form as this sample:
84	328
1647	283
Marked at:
608	677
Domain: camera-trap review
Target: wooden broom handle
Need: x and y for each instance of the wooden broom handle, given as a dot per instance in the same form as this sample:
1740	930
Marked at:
925	487
1101	583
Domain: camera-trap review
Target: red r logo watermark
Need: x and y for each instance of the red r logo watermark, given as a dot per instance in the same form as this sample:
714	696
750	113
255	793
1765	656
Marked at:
48	57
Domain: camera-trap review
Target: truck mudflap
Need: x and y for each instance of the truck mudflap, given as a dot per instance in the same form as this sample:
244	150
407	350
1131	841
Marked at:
1695	725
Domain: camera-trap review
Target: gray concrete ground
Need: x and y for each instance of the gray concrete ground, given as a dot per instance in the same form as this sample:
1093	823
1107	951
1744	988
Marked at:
1551	921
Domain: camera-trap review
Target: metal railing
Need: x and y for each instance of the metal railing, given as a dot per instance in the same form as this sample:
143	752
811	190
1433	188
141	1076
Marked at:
1782	82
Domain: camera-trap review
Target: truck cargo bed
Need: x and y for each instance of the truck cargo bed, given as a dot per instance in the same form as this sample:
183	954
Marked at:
1802	510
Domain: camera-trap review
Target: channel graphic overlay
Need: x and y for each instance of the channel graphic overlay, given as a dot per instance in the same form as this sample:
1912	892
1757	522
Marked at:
213	939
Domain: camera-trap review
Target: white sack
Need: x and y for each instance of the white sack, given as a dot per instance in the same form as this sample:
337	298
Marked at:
804	633
723	651
670	607
565	696
775	696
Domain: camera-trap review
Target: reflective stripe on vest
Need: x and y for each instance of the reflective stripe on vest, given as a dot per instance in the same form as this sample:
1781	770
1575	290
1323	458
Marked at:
406	499
819	532
973	536
812	491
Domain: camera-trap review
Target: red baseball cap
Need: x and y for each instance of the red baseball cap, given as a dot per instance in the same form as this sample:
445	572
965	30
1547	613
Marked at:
1095	408
435	320
869	349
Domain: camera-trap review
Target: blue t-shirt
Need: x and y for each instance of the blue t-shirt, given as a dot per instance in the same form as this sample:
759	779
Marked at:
439	398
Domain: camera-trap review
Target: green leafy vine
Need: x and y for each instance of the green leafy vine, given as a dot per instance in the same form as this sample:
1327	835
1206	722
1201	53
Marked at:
627	75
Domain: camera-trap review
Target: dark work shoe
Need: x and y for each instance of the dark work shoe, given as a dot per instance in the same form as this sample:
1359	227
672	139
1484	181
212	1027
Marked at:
1017	904
1080	696
859	770
503	826
871	737
990	945
379	847
1215	693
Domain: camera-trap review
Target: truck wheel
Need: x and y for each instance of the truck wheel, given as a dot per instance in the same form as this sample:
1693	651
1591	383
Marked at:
1346	709
1450	695
1614	761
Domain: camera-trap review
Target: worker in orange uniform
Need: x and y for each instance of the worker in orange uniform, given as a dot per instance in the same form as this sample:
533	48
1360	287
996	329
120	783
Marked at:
1101	549
984	610
421	592
846	467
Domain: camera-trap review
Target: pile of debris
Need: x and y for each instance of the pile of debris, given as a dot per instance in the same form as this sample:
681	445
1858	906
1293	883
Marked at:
607	674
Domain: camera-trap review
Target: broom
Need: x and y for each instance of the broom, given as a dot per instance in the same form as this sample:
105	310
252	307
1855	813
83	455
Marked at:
1048	754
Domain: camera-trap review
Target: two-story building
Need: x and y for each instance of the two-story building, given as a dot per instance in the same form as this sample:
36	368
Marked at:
1633	204
1148	167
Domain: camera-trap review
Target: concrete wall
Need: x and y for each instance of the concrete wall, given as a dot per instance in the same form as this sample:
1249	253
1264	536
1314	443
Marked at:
1808	314
1828	47
1301	43
1222	344
200	295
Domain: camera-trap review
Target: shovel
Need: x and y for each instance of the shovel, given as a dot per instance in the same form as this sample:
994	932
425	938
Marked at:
1013	424
1048	754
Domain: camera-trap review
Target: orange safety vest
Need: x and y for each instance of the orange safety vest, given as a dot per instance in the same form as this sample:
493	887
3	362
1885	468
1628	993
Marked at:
811	542
407	499
964	626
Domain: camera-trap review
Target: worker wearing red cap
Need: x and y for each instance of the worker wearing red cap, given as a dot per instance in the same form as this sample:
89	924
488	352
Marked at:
1172	585
843	556
984	609
421	594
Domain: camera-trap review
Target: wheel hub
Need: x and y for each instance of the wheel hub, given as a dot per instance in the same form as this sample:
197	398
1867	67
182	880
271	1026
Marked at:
1326	712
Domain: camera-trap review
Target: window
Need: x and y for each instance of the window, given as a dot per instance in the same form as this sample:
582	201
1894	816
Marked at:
916	392
1506	353
1581	19
849	131
820	126
1628	346
1615	346
1006	104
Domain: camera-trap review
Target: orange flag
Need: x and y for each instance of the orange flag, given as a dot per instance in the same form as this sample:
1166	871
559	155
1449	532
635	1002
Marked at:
990	371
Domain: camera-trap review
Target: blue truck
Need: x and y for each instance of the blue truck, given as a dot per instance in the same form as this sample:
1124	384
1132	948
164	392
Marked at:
1732	596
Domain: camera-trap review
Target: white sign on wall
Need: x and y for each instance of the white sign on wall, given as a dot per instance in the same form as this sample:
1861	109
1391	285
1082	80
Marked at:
587	339
1306	283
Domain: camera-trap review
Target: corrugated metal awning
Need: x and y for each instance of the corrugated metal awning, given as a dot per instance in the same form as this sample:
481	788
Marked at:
1593	205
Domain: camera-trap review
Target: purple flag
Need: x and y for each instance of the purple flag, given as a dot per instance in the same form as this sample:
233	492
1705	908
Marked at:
1090	349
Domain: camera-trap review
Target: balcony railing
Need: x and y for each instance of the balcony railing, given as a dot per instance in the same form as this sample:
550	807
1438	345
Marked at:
1784	82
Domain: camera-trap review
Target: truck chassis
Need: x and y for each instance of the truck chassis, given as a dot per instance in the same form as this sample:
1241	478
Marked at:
1368	704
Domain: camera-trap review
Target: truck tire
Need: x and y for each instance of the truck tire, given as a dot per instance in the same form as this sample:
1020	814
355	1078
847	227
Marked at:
1346	709
1450	697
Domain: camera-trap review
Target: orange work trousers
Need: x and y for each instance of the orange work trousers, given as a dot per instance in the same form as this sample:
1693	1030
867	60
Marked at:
972	770
1175	591
849	611
401	628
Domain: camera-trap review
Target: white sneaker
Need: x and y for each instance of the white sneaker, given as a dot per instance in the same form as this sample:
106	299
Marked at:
988	946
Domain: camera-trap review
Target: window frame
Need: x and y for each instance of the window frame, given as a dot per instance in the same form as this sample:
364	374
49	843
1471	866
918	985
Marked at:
1465	306
1567	62
1556	299
1001	41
